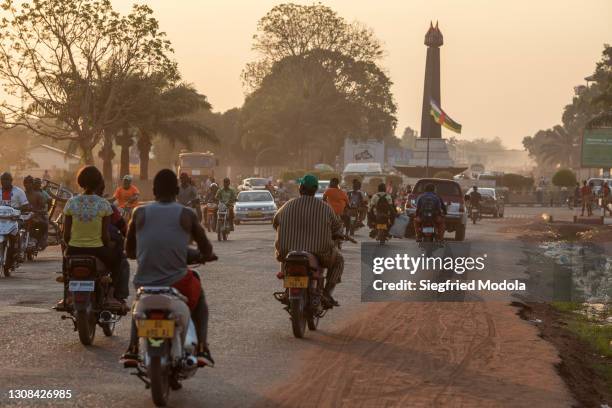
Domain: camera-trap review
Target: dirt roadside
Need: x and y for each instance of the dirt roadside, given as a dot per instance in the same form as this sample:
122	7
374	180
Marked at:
477	354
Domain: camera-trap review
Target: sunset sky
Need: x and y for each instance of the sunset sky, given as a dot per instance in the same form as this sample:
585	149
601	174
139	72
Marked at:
508	67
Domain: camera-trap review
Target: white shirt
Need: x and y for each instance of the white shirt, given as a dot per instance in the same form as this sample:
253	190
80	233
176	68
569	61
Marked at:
18	198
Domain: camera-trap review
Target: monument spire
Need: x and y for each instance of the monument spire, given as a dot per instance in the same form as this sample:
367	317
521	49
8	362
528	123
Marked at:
431	89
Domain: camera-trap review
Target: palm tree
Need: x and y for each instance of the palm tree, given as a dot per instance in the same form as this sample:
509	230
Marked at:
167	117
560	147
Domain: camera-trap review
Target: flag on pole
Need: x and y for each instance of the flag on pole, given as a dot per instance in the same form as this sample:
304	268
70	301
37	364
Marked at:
441	118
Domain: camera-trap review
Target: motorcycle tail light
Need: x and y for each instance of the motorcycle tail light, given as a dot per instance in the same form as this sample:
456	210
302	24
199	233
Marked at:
80	297
156	315
296	270
80	272
461	208
294	291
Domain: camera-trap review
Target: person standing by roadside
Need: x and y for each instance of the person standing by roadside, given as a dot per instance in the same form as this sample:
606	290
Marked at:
586	194
605	198
577	195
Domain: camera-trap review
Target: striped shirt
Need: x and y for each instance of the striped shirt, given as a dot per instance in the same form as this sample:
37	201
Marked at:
305	224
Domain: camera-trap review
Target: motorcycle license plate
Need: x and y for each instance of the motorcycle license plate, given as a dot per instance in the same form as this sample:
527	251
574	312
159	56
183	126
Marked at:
81	286
159	329
255	214
353	219
296	281
381	226
428	230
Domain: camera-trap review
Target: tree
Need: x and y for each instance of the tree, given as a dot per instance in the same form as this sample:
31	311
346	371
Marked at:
166	115
409	137
564	178
290	30
516	182
559	147
64	62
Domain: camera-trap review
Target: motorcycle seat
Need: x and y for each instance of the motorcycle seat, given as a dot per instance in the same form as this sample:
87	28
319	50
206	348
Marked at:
88	261
303	256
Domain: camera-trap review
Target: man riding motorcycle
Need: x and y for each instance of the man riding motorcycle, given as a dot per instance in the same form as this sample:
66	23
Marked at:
336	198
158	238
308	224
126	196
13	196
382	205
38	206
358	201
432	202
188	195
227	195
474	199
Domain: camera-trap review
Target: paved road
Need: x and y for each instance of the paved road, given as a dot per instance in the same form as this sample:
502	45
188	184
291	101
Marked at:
250	336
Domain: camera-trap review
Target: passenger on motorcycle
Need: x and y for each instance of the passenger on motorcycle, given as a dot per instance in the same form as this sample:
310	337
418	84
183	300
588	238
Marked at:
358	200
308	224
188	195
227	195
117	230
381	205
474	198
210	197
337	199
13	196
38	206
432	202
87	219
158	238
126	196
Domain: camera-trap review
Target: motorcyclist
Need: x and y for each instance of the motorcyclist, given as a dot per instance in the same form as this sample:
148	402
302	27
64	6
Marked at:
336	198
227	195
381	205
474	199
308	224
117	229
13	196
126	196
158	238
431	201
38	206
188	195
87	217
358	200
211	197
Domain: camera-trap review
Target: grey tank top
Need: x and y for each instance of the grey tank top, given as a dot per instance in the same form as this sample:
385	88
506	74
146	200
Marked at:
161	246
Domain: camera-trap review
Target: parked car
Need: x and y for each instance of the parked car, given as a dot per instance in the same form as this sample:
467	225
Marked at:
254	205
491	203
323	184
450	192
253	183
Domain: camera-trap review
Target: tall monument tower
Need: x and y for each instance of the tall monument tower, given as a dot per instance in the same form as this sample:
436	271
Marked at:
431	90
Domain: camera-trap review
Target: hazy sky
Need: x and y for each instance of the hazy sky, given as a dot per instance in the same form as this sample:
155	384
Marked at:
508	67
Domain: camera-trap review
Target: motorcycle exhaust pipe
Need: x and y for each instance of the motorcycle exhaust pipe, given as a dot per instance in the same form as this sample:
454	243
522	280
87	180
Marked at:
190	363
106	316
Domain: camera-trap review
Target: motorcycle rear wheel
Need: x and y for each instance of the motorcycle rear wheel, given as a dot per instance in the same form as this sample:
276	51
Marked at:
382	236
86	326
298	320
313	322
160	384
108	329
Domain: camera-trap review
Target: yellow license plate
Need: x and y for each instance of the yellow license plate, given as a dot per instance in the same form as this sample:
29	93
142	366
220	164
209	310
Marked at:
296	281
255	214
381	226
160	329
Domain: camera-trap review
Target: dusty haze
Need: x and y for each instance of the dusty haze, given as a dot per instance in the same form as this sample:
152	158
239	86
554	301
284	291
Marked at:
508	67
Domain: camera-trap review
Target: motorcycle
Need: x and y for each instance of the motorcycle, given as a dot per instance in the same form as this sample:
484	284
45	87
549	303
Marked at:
88	290
211	217
382	229
352	221
303	280
429	233
32	235
223	224
10	226
167	338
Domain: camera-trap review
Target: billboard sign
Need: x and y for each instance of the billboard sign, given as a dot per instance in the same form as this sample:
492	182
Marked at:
371	151
597	148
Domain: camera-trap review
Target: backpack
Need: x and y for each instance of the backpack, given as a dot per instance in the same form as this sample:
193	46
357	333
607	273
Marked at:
355	199
429	204
382	206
